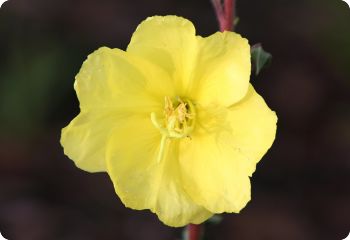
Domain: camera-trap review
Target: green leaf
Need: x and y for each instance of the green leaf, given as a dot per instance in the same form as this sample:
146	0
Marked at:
215	219
236	21
185	235
260	58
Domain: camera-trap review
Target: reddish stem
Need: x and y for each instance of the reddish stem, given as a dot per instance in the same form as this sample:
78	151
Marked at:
230	14
194	231
225	13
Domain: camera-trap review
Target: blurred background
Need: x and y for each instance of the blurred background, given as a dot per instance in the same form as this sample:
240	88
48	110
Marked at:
301	189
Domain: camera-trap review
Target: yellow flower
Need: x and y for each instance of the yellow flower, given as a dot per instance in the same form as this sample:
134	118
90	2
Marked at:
173	120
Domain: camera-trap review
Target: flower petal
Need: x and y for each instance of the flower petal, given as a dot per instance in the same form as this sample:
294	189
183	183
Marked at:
84	140
111	84
116	80
223	69
212	69
216	165
170	43
254	127
213	176
143	183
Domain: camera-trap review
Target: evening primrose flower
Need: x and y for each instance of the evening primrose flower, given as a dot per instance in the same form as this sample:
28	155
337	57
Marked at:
173	120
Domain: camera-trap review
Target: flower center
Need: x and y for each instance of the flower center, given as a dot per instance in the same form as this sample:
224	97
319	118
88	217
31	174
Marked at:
178	121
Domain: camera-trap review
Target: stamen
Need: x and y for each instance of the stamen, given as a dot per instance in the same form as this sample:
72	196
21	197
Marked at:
178	121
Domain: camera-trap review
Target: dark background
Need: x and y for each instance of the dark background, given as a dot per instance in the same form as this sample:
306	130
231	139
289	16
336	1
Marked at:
301	189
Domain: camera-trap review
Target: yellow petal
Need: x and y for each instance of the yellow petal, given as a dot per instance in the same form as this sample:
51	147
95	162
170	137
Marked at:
254	127
84	140
217	164
110	85
143	183
212	69
223	69
170	43
115	80
212	175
